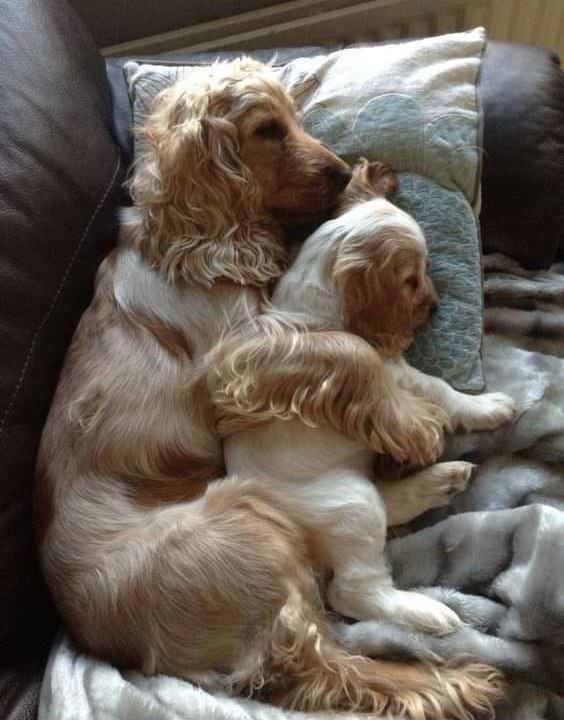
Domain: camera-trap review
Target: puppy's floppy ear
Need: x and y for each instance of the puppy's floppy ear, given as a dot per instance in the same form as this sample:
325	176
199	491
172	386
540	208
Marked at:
369	180
369	287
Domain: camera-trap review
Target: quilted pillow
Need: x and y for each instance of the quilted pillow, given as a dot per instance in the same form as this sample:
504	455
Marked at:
414	105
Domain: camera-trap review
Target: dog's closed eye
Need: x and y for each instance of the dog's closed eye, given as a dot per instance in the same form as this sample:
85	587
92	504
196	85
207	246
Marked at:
271	130
412	282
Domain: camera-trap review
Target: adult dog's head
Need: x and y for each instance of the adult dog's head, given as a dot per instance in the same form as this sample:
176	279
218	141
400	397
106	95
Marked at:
380	266
222	153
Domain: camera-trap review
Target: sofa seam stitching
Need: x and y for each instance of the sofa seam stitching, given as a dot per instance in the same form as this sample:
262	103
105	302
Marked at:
51	307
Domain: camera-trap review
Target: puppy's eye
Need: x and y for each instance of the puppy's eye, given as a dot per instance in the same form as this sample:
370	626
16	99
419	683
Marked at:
271	130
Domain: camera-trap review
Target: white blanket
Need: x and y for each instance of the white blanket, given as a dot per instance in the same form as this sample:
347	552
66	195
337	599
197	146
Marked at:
79	687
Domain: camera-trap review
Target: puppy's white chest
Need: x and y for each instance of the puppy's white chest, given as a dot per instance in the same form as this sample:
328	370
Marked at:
290	450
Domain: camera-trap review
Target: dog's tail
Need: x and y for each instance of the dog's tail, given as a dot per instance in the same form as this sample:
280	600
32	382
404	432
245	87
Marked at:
308	671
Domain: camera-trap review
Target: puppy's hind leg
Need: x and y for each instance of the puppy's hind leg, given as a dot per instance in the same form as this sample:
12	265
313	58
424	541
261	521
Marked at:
346	519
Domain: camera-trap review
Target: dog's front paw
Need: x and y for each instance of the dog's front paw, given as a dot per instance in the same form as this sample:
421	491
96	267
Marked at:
418	446
426	446
486	412
410	429
425	433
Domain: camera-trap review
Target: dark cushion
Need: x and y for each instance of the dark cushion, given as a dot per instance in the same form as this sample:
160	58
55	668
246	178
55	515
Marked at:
20	685
522	90
59	176
523	179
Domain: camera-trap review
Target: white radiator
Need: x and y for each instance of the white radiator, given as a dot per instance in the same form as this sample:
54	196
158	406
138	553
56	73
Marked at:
540	22
310	22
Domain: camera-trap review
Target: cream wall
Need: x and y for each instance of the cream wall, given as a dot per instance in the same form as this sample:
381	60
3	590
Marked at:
300	22
540	22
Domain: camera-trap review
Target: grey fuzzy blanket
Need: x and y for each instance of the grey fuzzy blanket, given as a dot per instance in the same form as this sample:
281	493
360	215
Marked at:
497	555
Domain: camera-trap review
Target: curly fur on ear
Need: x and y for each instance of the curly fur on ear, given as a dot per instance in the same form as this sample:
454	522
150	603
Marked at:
365	273
202	209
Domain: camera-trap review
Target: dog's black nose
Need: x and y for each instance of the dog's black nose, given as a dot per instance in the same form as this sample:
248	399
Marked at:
340	177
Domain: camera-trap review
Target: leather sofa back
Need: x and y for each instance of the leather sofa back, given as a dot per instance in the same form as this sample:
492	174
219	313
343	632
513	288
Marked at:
60	172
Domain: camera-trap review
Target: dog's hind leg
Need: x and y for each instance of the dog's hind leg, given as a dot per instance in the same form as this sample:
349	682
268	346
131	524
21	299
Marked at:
345	518
362	585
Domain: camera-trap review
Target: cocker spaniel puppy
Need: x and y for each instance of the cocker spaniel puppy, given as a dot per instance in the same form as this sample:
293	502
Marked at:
364	271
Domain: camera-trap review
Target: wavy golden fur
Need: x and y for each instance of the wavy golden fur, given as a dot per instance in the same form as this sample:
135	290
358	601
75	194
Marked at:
217	151
153	561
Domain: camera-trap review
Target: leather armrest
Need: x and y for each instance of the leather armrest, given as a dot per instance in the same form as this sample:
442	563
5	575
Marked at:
522	91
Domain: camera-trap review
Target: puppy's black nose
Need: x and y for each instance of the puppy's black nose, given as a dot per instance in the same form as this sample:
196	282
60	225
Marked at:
340	177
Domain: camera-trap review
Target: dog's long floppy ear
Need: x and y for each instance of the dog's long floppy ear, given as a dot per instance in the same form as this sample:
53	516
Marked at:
299	87
369	180
197	196
368	272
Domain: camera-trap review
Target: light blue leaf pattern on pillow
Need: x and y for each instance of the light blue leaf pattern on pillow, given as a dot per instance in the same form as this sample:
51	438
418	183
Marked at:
332	128
451	155
390	127
438	162
449	344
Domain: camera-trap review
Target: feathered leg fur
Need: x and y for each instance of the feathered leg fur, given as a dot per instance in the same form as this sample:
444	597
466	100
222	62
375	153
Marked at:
325	379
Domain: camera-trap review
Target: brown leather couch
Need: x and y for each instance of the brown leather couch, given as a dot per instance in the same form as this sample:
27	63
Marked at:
65	147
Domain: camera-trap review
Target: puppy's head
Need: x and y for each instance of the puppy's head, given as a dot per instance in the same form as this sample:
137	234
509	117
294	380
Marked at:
380	265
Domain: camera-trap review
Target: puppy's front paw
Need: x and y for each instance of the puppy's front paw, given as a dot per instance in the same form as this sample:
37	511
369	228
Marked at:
431	488
435	486
486	412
